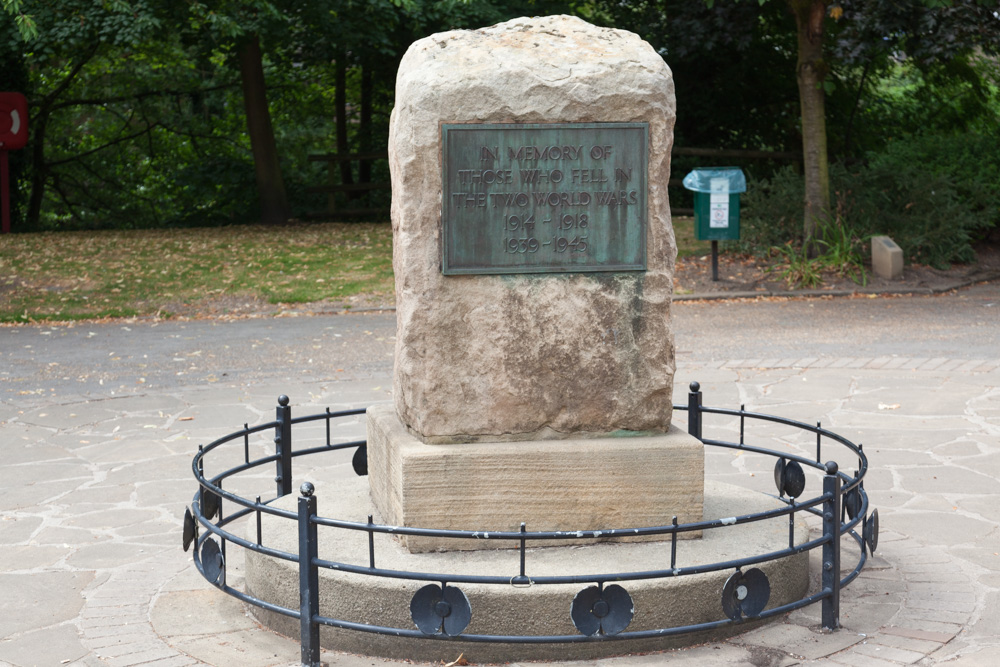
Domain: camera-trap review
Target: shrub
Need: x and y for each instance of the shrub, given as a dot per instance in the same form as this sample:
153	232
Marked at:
771	212
935	195
970	161
922	211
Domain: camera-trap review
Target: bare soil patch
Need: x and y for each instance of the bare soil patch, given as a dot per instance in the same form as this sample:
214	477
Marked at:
740	274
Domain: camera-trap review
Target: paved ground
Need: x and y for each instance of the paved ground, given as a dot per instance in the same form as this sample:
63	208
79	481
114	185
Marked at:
98	424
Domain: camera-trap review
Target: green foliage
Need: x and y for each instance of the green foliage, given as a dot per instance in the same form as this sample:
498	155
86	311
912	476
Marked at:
840	253
55	29
138	116
771	211
922	209
723	58
950	98
969	161
141	118
934	195
169	152
797	269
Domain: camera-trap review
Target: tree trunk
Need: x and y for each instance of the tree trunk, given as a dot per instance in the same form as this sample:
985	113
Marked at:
340	102
39	124
812	69
39	173
270	186
365	124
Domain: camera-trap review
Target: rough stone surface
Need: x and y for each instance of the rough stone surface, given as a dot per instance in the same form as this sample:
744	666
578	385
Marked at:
528	356
590	484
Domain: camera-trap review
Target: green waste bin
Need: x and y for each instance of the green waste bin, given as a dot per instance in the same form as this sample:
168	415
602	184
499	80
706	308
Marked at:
716	202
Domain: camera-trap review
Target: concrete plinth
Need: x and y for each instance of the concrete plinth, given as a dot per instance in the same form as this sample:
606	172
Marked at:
887	258
538	610
551	485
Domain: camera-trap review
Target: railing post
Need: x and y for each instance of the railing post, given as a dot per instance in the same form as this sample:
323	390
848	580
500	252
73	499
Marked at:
283	447
308	578
831	548
694	410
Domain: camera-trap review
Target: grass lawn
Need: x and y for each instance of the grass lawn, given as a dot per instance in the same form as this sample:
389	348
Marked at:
93	275
67	276
687	246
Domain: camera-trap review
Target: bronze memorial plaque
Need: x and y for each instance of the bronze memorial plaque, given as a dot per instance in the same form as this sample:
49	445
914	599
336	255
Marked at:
565	197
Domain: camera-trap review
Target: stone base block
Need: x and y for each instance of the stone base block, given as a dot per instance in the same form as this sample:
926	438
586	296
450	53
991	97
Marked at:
509	610
550	485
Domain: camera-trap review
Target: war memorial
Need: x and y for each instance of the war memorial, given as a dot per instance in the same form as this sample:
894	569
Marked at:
531	492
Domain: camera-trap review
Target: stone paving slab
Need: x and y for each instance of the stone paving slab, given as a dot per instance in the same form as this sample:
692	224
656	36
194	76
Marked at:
93	574
888	618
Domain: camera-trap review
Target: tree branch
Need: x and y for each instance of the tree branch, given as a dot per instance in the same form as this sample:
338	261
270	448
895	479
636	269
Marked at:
854	108
119	140
65	83
197	135
138	96
57	186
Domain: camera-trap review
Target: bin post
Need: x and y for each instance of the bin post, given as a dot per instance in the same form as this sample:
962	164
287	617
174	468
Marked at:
831	548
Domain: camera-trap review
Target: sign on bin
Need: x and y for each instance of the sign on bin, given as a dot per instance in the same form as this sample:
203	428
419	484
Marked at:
719	203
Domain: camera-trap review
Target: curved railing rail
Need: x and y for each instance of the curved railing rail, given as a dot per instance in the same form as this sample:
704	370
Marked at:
601	612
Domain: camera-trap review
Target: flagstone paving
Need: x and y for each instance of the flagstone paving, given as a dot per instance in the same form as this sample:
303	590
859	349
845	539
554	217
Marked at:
94	488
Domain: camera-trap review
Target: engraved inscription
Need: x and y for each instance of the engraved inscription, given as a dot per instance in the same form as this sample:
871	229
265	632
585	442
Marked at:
544	198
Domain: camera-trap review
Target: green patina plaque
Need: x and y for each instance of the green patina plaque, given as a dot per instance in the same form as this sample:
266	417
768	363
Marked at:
567	197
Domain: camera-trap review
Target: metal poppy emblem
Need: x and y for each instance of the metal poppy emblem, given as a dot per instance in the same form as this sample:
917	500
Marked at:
745	594
436	610
360	461
209	503
608	610
789	478
213	563
190	528
870	532
852	502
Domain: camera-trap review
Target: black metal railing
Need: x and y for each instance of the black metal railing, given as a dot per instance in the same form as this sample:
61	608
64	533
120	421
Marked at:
600	612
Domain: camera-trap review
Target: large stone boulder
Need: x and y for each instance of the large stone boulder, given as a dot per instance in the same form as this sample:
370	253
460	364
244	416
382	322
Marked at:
539	356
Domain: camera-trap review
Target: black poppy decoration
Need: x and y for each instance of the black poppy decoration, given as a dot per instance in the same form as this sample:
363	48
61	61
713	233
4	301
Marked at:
436	610
871	532
852	502
605	610
190	528
209	503
789	478
360	461
745	594
213	563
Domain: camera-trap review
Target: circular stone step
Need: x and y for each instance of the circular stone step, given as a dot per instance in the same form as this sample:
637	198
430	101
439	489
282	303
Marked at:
509	610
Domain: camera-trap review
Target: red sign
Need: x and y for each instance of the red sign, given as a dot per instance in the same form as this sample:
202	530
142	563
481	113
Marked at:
13	121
